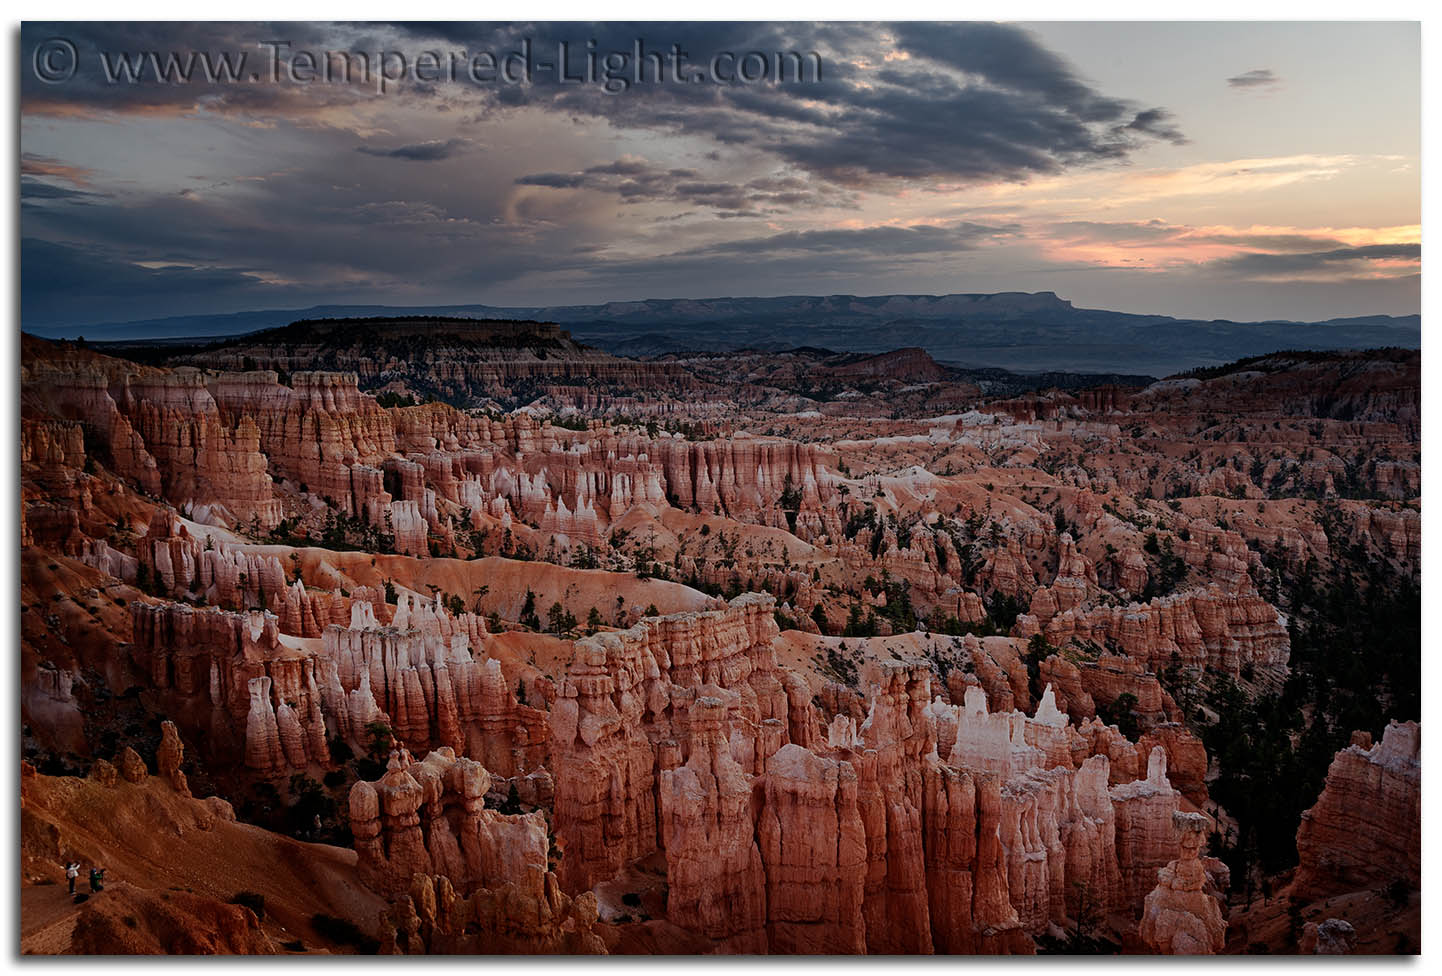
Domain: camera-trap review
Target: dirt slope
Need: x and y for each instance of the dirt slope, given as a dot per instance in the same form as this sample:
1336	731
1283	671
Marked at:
169	860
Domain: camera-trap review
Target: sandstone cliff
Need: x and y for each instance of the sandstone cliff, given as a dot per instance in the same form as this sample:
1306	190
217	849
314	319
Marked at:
1365	828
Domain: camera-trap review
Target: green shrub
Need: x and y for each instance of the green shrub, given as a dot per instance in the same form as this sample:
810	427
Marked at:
250	899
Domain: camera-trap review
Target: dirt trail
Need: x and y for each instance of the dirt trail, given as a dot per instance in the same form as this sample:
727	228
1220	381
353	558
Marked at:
149	838
47	916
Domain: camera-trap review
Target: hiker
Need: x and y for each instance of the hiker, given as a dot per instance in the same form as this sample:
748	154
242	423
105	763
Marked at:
72	871
97	878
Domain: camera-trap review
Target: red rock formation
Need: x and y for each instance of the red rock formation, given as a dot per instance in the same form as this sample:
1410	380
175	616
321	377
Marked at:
1066	679
263	750
418	675
232	676
103	772
162	428
573	485
314	430
1208	627
1365	829
716	884
1145	834
168	758
206	464
49	703
1007	570
1179	916
132	767
950	843
1333	937
80	388
790	814
234	576
1186	759
626	695
431	918
813	846
428	817
953	862
1112	675
894	738
995	923
605	814
421	674
1058	828
465	360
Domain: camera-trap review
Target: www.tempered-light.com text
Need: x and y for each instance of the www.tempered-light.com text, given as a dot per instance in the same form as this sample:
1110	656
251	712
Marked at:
572	63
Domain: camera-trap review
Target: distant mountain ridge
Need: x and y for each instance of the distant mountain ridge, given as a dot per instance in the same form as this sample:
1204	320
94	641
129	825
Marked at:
464	362
1020	331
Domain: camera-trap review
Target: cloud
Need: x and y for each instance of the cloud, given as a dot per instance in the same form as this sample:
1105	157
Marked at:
883	241
928	157
635	180
118	62
421	152
50	274
1257	251
1150	233
969	102
33	164
44	179
803	258
32	190
1224	178
1255	79
1374	260
1156	122
297	238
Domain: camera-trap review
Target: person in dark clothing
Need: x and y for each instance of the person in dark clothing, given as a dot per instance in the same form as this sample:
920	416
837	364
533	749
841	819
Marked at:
97	879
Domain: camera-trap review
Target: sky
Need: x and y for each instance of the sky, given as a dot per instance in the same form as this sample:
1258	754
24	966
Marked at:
1217	170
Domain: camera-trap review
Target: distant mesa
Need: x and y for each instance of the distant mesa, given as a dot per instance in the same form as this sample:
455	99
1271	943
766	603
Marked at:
481	331
466	362
1017	331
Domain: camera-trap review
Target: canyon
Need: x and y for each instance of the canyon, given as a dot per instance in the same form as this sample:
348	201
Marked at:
525	647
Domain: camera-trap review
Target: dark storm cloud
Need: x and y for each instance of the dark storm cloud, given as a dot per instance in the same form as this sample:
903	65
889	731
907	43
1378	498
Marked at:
421	152
955	102
952	102
638	181
560	181
1008	57
107	52
1260	264
1257	78
49	273
292	240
